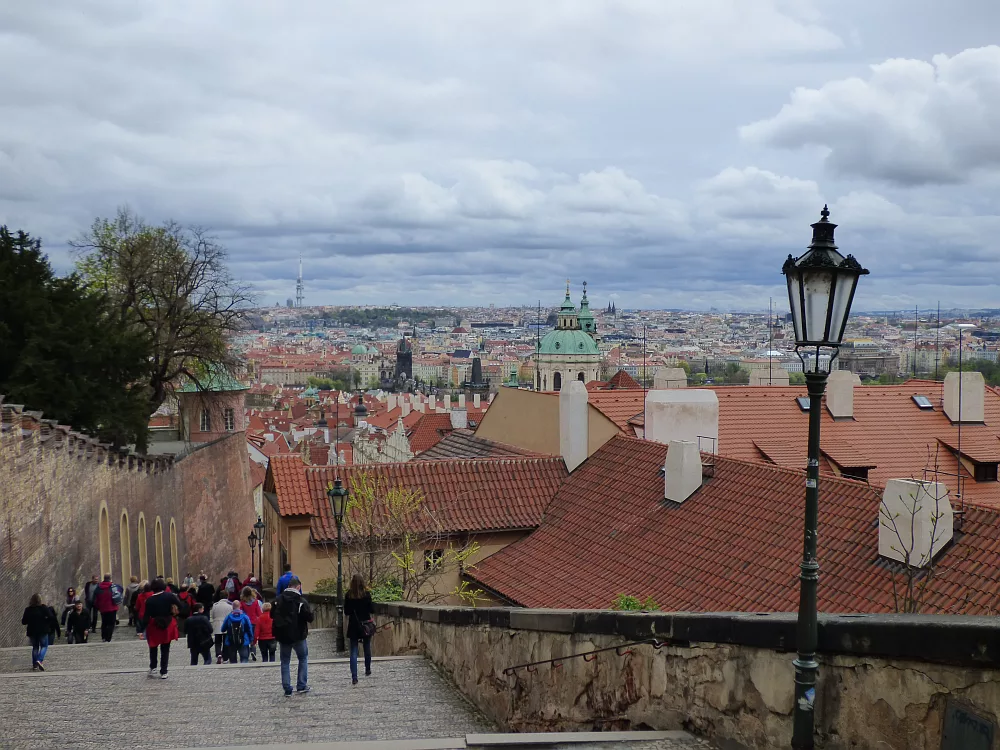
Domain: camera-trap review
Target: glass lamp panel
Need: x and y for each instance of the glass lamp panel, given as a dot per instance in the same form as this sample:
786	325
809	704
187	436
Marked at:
841	305
795	303
817	285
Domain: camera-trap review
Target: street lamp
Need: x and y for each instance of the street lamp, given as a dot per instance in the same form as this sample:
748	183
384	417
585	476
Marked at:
252	541
259	529
821	285
338	501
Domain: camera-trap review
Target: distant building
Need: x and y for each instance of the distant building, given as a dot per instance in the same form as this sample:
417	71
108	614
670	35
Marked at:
570	351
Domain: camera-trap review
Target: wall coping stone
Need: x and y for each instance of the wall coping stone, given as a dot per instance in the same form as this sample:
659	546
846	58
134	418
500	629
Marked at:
947	639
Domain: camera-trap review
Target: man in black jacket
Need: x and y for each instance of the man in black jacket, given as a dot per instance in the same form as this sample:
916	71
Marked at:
206	593
199	635
291	615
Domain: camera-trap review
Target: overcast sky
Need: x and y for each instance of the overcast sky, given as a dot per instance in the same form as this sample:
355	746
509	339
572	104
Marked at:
671	153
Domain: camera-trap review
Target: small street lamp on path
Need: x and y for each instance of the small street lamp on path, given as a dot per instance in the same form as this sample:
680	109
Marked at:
252	541
259	530
821	286
338	501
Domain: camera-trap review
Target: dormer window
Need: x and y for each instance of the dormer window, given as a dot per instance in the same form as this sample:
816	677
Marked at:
985	472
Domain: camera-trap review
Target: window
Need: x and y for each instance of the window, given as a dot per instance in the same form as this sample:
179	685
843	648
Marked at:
923	402
580	377
986	472
433	558
803	402
557	381
229	420
206	421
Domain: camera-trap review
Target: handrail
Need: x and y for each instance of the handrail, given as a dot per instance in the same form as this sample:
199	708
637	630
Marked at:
588	656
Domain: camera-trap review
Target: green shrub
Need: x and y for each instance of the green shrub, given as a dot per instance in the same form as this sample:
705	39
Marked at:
629	603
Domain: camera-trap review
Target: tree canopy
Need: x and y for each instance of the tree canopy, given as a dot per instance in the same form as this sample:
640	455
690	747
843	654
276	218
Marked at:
62	350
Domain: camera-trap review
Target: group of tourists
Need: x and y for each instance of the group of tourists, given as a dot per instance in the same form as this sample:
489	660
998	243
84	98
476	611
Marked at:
232	618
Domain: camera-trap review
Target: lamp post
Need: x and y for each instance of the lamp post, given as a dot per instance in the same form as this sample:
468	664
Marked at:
252	541
821	286
259	529
338	501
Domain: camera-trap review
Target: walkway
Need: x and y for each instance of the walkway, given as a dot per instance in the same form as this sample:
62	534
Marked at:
99	696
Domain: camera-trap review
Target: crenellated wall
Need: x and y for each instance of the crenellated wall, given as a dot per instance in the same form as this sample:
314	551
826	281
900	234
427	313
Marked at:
885	680
71	507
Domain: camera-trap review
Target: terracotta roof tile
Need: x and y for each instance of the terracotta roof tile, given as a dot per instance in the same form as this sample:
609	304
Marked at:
429	430
732	546
619	405
460	495
289	481
622	379
465	444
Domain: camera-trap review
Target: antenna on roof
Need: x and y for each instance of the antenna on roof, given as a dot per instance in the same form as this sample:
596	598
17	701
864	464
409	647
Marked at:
916	323
770	341
538	346
937	342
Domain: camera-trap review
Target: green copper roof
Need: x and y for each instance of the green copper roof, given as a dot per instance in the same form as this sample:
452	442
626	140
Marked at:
217	380
359	349
567	342
567	306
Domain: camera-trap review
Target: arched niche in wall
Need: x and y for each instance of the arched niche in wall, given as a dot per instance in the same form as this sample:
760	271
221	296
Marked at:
174	564
161	568
125	539
104	538
143	555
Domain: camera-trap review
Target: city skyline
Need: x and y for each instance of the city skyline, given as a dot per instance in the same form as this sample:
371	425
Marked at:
673	154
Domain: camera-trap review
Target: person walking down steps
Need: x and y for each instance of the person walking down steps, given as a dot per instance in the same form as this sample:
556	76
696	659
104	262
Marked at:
358	610
161	627
41	621
290	617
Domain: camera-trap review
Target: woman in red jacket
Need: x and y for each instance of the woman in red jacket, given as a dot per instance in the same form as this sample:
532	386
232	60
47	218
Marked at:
251	605
145	592
264	630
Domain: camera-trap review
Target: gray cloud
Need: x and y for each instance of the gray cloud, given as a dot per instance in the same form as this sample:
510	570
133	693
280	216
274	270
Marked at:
438	152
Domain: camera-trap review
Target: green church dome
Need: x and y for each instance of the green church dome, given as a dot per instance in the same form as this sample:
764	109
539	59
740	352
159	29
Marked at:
567	342
359	349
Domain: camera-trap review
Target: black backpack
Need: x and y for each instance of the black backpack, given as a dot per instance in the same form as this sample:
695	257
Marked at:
284	620
236	632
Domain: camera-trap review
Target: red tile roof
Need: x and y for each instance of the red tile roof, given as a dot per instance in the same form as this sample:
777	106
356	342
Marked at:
287	480
459	495
429	430
732	546
622	379
619	405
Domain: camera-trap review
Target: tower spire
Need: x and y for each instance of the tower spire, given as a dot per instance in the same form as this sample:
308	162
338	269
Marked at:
299	287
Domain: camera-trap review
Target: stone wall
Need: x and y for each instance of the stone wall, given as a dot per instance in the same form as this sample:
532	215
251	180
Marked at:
57	487
885	680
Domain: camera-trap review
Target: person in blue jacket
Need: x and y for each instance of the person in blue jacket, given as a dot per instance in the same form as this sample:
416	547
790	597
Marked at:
237	631
285	578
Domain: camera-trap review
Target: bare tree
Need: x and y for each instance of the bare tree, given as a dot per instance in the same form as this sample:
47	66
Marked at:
173	284
391	535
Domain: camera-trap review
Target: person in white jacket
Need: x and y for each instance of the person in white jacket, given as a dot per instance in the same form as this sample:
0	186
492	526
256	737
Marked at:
220	610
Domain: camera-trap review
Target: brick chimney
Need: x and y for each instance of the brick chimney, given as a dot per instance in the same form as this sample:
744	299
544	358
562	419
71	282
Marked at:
682	472
973	402
840	394
683	414
574	431
915	521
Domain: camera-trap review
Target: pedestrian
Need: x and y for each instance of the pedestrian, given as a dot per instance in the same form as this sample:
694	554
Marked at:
187	597
188	581
251	606
220	610
238	633
89	591
78	624
233	586
107	600
358	611
40	620
206	593
54	630
265	634
161	627
199	635
131	592
68	604
286	576
140	607
292	615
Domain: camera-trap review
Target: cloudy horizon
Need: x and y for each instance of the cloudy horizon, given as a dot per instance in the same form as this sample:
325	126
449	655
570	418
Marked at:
432	152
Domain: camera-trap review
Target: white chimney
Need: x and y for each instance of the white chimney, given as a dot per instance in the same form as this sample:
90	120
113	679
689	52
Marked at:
431	403
390	401
459	419
446	402
461	400
489	400
420	406
840	394
683	414
475	400
915	521
405	406
574	433
776	375
682	473
670	377
973	402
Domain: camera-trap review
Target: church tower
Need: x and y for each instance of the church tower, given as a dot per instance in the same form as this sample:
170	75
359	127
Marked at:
570	351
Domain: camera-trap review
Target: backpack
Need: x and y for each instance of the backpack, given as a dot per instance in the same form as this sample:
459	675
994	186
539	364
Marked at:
236	632
230	586
282	625
116	593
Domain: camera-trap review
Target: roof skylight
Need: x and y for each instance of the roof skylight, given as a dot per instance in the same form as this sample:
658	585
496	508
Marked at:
923	402
803	402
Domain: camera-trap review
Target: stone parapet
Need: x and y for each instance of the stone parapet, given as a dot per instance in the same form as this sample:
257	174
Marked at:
885	680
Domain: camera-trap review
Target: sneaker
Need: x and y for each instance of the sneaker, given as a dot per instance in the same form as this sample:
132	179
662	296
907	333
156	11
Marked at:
368	673
152	674
354	683
218	660
304	690
34	666
40	667
288	693
163	676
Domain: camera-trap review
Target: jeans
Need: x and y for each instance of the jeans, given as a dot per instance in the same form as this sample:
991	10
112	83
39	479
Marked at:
301	649
93	617
164	657
354	657
39	645
267	649
205	653
108	625
240	653
218	646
